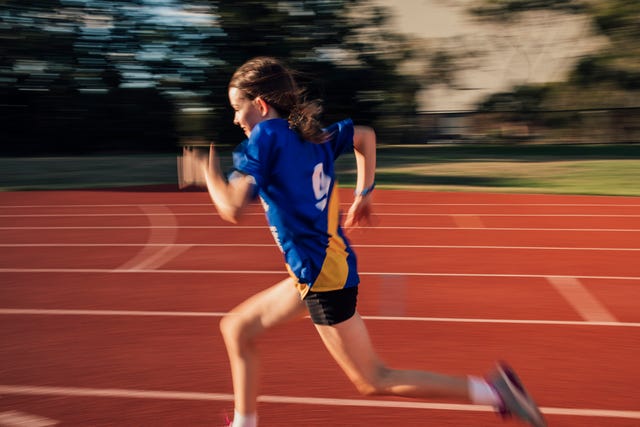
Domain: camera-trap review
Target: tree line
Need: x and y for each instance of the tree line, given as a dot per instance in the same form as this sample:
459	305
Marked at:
82	76
79	76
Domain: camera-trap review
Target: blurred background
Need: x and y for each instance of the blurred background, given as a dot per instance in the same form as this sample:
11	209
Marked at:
145	76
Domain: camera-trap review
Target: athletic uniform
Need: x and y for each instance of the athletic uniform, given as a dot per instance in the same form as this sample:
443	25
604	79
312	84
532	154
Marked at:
296	182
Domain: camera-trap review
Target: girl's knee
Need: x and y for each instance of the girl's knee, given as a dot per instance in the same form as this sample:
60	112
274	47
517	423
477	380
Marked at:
236	330
231	327
374	384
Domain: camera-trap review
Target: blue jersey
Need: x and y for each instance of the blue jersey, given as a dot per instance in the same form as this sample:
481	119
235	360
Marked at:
296	182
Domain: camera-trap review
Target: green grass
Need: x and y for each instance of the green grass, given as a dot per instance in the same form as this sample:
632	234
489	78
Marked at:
563	169
46	173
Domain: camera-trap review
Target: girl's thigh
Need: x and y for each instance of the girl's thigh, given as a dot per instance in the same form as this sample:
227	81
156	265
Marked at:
275	305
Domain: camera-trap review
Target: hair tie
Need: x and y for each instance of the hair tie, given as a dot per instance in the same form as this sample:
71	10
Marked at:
296	118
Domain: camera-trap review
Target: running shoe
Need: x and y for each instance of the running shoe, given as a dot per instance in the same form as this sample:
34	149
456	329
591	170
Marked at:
516	401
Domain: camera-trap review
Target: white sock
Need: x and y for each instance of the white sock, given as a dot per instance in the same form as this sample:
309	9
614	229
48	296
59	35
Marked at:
481	393
247	420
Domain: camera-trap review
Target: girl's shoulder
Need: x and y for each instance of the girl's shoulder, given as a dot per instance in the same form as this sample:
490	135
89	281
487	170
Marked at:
271	126
269	132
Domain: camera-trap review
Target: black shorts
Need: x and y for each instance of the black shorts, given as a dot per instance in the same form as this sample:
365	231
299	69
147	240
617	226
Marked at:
332	307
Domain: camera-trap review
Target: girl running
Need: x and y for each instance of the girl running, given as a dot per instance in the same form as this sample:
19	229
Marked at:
287	161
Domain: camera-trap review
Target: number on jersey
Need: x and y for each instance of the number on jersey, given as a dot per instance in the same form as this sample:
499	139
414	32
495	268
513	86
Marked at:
321	185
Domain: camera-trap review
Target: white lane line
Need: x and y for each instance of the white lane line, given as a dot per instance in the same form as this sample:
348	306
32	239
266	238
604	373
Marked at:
139	313
300	400
579	297
254	227
122	205
544	248
510	204
135	227
214	314
461	216
163	232
100	215
99	245
343	204
516	215
282	273
262	245
21	419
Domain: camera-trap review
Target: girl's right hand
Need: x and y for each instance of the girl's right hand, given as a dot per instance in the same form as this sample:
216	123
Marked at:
192	166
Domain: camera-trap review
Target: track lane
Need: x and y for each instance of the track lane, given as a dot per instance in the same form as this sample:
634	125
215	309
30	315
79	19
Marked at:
449	294
381	295
513	261
187	354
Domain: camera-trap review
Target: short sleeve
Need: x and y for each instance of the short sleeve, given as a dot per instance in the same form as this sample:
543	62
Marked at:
252	155
341	137
243	163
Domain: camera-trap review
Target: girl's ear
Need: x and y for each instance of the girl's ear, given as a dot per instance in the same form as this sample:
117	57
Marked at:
263	107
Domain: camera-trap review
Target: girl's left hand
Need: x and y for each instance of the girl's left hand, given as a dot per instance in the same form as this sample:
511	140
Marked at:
360	213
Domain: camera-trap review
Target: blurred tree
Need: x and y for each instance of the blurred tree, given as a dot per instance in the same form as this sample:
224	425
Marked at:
504	10
619	62
345	51
86	76
607	78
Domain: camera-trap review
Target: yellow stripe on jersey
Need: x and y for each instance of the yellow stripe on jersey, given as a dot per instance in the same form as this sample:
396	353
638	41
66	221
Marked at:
301	287
335	269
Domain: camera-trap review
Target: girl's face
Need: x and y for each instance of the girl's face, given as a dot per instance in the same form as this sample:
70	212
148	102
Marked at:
249	112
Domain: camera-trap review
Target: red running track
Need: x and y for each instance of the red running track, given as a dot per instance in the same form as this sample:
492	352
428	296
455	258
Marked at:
110	303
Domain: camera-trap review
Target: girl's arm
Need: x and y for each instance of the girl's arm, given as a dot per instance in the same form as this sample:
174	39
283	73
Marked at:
364	144
229	197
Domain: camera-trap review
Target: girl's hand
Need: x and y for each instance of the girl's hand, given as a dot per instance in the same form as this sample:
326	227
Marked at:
192	166
360	213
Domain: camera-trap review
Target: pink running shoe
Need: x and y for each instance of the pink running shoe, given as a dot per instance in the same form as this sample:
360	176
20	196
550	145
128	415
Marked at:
227	421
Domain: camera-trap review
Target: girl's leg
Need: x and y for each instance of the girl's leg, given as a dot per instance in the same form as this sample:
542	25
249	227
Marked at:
350	345
244	324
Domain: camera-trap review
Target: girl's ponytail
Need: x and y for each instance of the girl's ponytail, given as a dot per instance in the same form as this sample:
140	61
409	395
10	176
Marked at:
304	119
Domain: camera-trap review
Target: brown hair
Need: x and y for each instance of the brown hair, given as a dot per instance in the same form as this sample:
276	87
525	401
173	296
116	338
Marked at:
269	79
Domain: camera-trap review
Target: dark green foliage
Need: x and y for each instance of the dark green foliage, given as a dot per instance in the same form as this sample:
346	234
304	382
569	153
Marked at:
105	75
